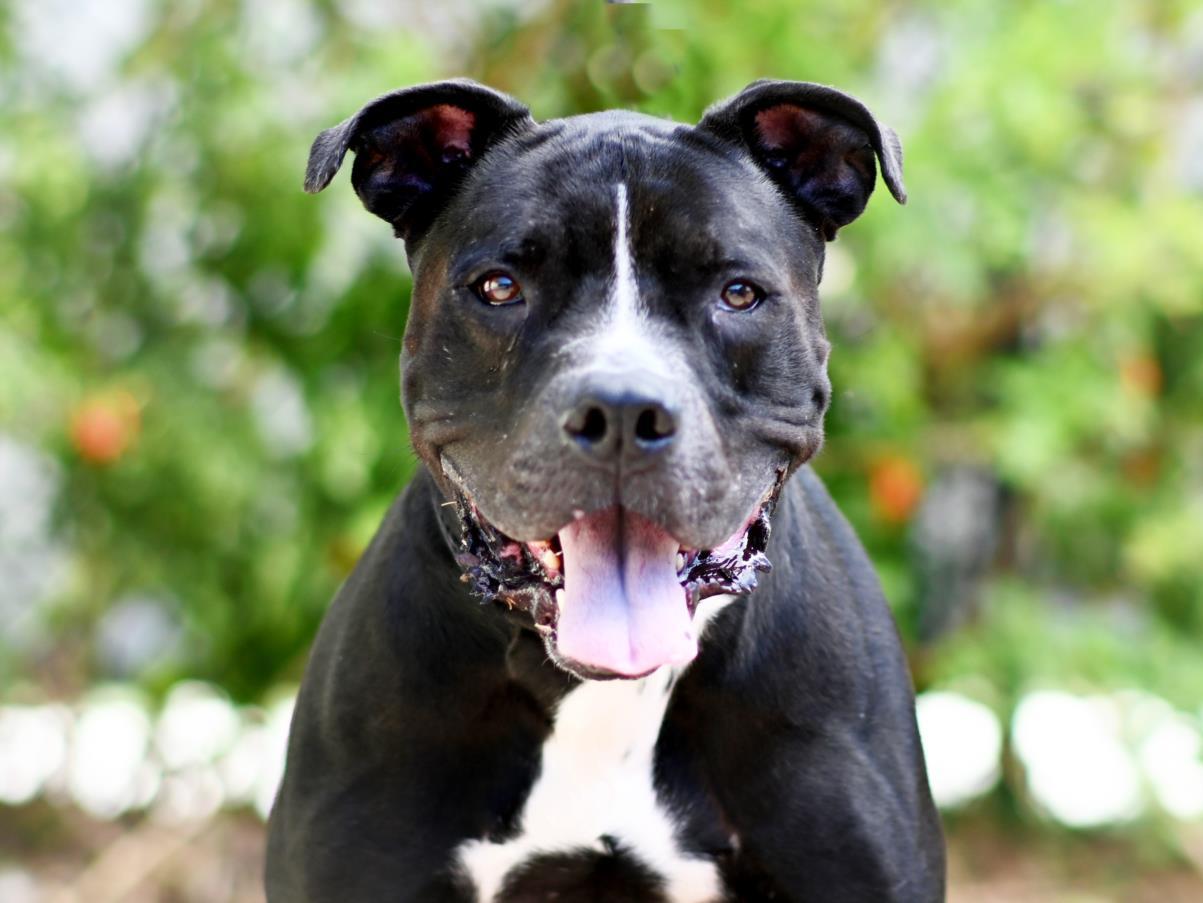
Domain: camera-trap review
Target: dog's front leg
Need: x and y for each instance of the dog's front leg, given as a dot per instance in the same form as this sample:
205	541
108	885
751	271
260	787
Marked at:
832	819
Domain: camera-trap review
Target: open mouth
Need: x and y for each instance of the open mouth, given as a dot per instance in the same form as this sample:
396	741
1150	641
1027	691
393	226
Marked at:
612	593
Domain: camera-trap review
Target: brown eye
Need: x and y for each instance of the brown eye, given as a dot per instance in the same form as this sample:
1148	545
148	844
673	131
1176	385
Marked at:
498	289
739	295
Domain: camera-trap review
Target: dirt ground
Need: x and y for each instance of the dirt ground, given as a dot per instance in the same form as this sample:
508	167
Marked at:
49	856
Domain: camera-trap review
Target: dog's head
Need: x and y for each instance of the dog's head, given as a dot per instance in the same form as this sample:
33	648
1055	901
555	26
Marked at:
614	354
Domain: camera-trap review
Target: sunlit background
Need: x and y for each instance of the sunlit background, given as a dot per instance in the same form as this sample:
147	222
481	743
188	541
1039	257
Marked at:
199	424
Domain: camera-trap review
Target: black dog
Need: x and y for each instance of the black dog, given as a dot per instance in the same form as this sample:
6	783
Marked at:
614	370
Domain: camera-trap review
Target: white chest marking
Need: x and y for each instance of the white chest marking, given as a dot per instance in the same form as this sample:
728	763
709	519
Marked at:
596	780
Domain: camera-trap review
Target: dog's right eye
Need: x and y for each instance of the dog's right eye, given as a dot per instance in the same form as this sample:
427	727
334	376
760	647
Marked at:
498	289
740	295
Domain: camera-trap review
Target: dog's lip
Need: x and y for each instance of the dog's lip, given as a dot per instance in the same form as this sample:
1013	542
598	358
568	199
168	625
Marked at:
588	672
460	485
538	545
528	579
544	548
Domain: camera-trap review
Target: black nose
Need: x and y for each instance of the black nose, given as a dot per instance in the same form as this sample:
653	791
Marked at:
605	426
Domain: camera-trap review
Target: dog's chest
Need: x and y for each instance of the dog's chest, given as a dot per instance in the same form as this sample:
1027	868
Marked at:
595	793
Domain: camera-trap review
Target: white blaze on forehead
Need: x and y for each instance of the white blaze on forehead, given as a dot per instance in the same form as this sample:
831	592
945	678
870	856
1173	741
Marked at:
625	338
626	286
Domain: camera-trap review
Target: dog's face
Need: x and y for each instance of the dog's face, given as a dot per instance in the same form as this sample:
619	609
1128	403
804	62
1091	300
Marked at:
614	354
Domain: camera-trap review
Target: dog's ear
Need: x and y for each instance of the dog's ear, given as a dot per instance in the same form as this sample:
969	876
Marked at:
414	145
815	142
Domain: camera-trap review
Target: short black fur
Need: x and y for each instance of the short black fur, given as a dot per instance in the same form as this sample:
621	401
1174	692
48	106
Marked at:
789	751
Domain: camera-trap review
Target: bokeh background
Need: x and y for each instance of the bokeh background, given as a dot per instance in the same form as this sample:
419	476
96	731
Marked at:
200	429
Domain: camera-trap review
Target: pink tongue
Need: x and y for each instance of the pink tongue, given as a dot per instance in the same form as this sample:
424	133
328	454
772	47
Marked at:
623	609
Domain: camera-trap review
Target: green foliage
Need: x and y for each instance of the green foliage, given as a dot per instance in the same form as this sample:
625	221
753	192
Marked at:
209	356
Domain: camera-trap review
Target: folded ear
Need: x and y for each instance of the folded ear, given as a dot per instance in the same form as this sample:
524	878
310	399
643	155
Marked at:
817	143
414	145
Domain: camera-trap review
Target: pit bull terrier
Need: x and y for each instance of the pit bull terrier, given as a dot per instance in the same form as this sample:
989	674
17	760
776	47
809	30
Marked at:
614	642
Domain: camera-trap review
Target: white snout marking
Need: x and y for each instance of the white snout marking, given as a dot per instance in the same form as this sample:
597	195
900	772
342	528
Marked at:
596	780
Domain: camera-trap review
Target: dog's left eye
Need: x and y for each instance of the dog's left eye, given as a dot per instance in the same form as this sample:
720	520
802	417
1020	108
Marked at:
498	289
741	296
